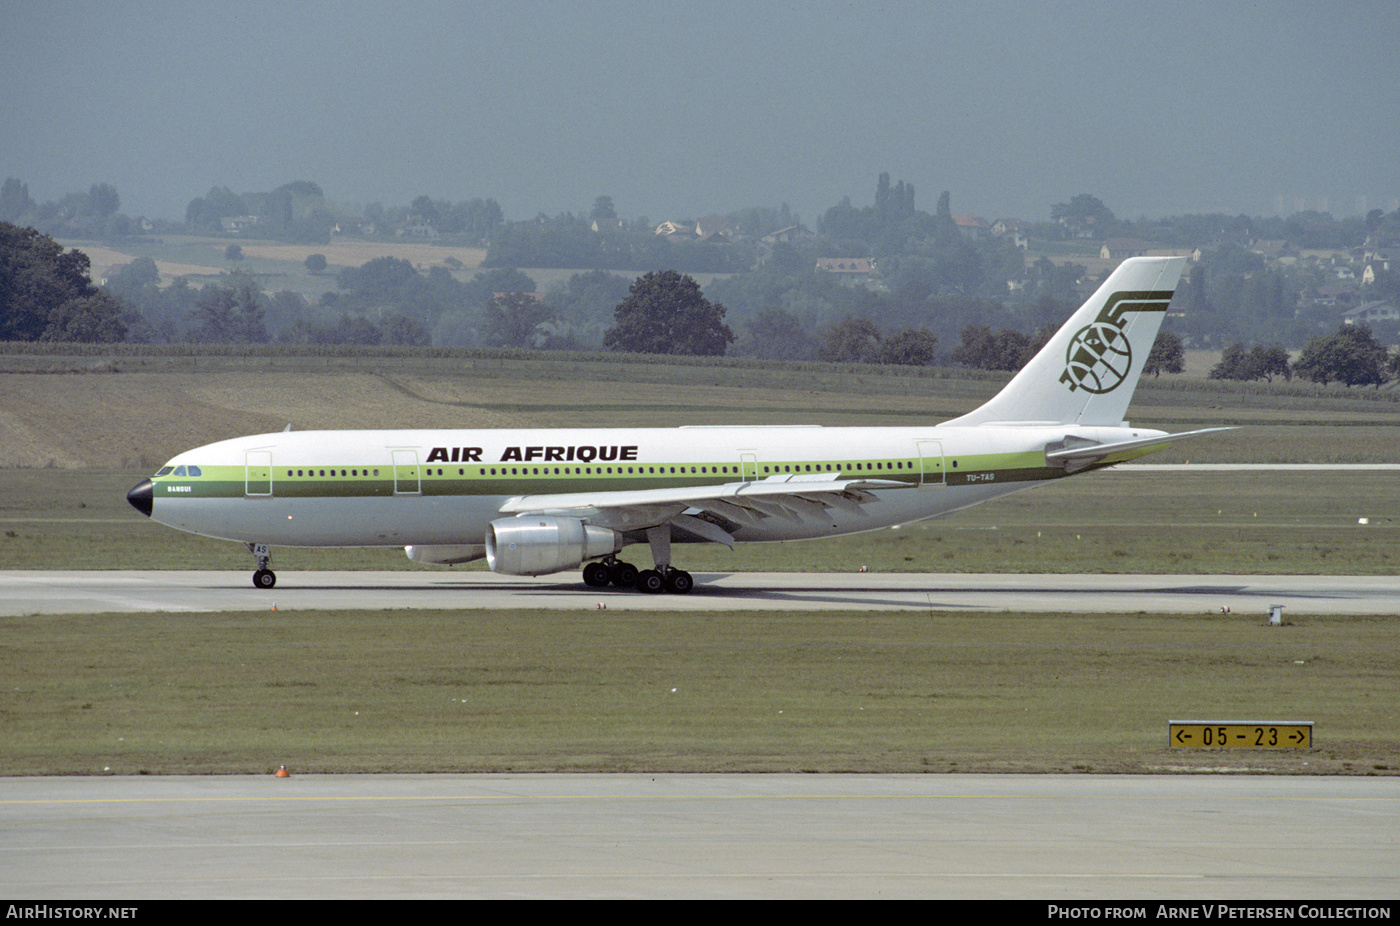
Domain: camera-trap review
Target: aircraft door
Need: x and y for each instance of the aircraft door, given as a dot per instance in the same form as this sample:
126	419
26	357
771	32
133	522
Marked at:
748	465
258	473
931	471
407	478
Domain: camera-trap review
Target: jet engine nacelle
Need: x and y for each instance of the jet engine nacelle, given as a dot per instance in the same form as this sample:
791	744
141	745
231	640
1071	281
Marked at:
539	545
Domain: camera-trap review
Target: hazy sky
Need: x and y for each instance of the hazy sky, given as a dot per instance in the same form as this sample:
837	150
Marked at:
683	109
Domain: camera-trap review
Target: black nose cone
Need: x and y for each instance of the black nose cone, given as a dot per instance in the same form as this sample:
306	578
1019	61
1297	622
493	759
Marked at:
141	495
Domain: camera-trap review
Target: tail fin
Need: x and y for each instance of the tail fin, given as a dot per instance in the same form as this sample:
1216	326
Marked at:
1087	372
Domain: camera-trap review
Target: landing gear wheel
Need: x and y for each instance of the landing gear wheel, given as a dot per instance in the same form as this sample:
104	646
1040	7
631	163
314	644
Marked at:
596	575
264	578
623	575
679	582
651	582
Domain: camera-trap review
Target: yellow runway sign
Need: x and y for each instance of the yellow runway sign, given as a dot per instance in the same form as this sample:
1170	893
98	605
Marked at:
1240	734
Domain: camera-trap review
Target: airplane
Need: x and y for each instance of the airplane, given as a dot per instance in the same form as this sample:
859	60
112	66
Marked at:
538	502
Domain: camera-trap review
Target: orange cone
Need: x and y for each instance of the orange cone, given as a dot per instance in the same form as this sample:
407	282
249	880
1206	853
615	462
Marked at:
282	772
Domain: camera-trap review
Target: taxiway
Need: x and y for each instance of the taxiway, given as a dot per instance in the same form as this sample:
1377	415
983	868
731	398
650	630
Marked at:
706	836
61	592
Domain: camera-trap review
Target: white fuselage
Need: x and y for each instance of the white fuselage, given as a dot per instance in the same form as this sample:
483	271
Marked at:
443	487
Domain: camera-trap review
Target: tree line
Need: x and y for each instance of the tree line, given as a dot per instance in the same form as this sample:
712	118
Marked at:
46	295
1351	355
929	281
922	263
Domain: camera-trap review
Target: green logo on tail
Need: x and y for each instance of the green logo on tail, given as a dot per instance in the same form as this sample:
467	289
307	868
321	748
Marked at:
1099	355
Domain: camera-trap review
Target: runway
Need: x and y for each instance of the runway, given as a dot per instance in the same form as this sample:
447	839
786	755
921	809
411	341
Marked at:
74	592
1059	838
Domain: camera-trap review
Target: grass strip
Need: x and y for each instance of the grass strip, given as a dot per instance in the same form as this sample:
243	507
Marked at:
523	691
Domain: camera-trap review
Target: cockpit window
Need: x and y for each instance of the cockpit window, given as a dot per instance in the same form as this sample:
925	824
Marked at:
165	471
179	471
194	471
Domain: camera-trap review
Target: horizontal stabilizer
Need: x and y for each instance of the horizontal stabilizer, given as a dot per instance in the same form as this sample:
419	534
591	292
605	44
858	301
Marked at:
1082	457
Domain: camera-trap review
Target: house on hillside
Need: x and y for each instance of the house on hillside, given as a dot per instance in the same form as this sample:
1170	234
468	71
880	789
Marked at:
608	226
417	228
1273	248
855	270
1014	229
675	231
972	226
714	228
1343	296
1122	248
1369	313
238	224
1379	260
785	235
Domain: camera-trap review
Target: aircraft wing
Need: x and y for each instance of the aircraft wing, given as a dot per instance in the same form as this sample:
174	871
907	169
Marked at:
792	497
1077	457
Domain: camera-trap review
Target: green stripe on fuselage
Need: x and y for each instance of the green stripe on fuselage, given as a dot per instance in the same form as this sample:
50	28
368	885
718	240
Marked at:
521	479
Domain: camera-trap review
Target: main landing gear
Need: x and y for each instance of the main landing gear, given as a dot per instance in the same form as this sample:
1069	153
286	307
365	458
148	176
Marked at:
611	571
264	577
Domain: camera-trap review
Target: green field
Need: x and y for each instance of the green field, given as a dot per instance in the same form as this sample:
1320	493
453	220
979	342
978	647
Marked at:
525	691
203	259
465	690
